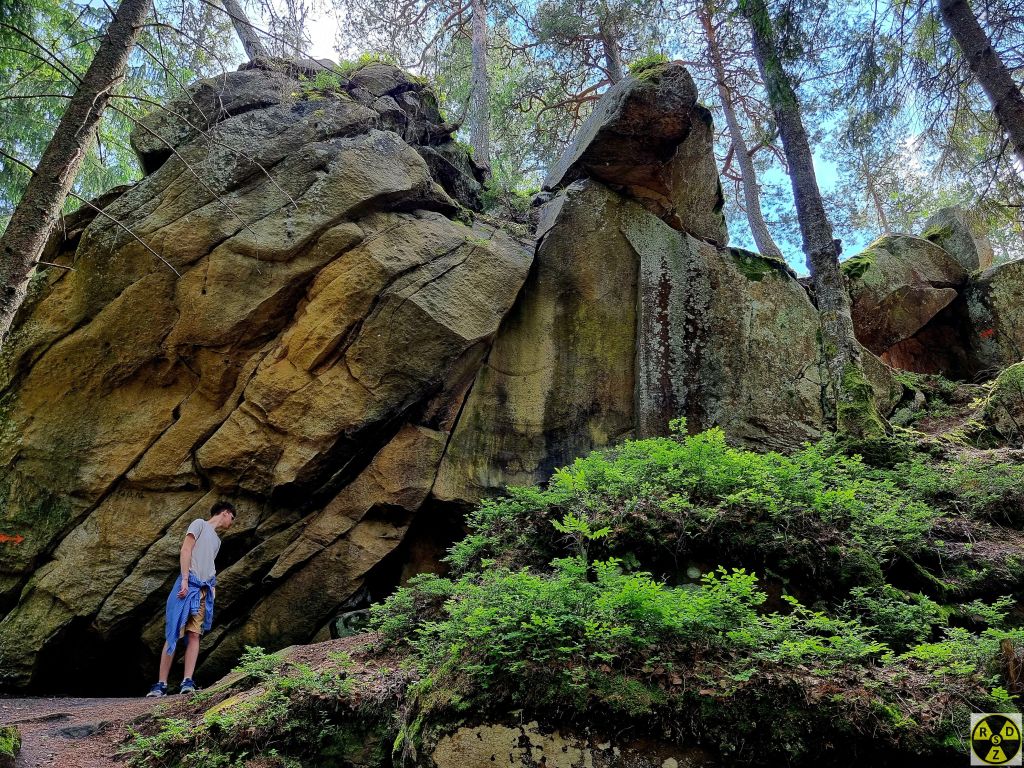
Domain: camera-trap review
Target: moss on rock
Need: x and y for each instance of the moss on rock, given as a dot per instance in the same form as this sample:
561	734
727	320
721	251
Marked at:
1005	406
756	266
855	267
857	411
10	745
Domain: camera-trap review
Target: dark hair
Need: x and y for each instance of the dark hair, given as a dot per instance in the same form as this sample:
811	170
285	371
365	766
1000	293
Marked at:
221	506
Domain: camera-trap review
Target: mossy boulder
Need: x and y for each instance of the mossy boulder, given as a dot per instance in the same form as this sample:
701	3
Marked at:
994	312
962	235
1005	405
897	285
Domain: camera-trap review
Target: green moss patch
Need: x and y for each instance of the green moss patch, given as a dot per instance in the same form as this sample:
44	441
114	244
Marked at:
648	64
936	233
755	266
856	266
857	413
10	744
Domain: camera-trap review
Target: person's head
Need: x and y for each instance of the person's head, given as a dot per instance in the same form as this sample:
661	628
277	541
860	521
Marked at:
222	514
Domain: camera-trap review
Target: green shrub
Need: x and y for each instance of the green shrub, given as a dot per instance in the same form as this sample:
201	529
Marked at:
662	497
646	63
346	68
550	638
903	618
551	604
963	653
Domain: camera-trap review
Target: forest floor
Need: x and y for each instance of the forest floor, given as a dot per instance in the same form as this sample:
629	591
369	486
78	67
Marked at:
72	732
68	732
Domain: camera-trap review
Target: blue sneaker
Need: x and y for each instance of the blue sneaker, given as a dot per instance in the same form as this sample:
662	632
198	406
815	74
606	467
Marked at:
158	689
187	686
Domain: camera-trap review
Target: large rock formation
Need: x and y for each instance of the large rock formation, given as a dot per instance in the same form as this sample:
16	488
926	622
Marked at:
922	304
283	306
292	310
896	286
961	234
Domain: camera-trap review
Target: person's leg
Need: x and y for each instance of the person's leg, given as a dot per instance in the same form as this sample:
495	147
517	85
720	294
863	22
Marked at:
191	654
165	664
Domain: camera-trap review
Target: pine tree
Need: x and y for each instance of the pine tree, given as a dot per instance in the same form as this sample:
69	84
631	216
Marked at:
989	70
849	396
751	192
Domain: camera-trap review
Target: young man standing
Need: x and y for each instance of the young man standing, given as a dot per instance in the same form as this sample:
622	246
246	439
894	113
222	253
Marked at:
190	604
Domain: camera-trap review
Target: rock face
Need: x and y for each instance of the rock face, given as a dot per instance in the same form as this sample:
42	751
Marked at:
993	304
921	305
521	746
297	316
897	285
664	325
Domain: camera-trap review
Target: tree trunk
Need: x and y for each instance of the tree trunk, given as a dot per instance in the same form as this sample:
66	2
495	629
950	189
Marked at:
991	73
847	398
751	193
479	91
250	40
40	206
876	200
612	53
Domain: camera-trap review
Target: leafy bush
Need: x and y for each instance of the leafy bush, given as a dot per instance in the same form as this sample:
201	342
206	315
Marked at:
665	497
348	66
552	604
903	618
551	638
646	63
962	653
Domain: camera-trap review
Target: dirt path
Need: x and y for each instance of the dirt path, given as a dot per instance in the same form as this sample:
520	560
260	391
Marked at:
72	733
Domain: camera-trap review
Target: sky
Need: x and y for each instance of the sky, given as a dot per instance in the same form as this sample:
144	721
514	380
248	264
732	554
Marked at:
323	32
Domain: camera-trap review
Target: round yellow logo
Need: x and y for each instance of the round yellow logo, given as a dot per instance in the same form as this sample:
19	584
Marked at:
995	740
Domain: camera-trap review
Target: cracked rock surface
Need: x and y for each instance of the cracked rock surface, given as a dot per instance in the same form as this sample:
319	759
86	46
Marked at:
292	311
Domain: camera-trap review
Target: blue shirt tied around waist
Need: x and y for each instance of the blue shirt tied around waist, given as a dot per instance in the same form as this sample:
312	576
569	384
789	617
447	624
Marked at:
180	608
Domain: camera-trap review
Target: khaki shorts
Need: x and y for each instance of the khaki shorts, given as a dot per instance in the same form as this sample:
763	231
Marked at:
195	621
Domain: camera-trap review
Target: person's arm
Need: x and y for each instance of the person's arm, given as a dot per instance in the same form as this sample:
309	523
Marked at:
185	559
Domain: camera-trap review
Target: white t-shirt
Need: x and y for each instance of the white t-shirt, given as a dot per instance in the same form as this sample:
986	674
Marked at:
205	551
